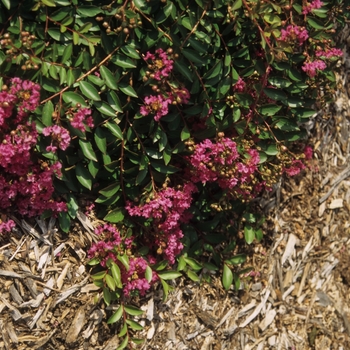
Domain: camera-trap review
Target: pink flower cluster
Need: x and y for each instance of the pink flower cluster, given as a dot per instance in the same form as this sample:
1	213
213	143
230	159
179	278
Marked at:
81	119
310	68
295	168
316	4
26	185
333	52
240	85
112	244
220	162
162	65
22	95
58	134
167	95
157	105
168	210
7	226
292	33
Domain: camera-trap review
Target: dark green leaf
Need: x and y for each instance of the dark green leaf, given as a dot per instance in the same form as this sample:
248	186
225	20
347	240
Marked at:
108	77
249	234
100	139
132	310
115	129
116	316
275	94
89	91
87	149
47	113
134	325
73	98
110	282
169	275
115	215
83	176
227	277
128	90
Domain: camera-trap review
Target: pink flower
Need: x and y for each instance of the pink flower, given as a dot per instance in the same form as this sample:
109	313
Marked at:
81	119
308	152
240	85
310	67
157	105
292	32
182	96
162	66
316	4
7	226
295	168
59	135
329	53
168	211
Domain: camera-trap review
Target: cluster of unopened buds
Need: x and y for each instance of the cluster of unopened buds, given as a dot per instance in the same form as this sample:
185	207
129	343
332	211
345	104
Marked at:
166	94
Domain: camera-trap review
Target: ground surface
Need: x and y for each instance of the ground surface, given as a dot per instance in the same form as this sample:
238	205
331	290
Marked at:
298	299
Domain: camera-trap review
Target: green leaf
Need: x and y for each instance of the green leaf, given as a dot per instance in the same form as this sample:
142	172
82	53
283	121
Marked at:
110	190
148	274
108	77
315	23
124	343
166	289
249	234
64	221
124	330
164	169
115	215
115	129
107	297
110	282
47	113
116	316
182	68
73	98
87	149
100	139
124	260
236	5
89	91
99	275
128	90
94	261
134	325
88	11
269	109
105	109
72	205
193	263
194	57
116	274
279	82
275	94
7	3
123	61
141	176
76	38
169	275
67	53
132	310
227	277
237	259
114	101
49	3
193	276
83	176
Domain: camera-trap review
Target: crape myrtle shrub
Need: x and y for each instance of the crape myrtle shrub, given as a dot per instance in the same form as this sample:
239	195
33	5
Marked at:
170	115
